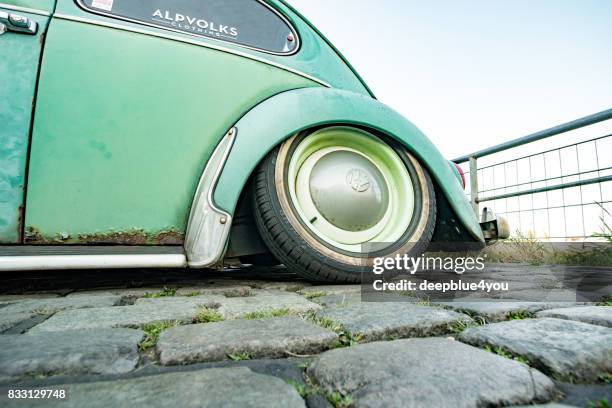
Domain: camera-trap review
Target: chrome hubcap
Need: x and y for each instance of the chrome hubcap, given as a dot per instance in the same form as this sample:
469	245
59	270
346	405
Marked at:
348	190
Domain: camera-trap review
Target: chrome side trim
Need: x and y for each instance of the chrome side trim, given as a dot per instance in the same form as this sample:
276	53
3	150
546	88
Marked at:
54	262
208	227
190	41
25	9
161	27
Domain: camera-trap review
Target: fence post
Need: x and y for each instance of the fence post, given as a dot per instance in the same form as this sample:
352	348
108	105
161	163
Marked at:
474	185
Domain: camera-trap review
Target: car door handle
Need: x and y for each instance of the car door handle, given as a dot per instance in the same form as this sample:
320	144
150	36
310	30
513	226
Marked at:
16	23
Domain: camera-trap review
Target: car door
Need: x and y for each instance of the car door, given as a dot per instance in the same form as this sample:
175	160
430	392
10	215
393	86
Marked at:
133	98
22	28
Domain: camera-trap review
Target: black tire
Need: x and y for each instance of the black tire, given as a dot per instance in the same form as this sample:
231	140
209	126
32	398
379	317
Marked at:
290	243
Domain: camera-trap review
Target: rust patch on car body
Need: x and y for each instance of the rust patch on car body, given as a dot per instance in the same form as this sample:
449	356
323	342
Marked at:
170	238
32	235
20	223
131	237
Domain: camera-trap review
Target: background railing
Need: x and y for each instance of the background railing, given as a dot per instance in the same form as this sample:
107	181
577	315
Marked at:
554	184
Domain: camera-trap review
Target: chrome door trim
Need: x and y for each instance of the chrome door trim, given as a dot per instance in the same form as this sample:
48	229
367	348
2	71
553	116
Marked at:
107	261
190	41
209	226
25	9
131	20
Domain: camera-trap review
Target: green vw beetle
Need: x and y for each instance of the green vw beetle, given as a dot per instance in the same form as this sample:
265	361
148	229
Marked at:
160	133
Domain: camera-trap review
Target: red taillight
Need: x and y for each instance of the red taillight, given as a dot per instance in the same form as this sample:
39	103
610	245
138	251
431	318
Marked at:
461	173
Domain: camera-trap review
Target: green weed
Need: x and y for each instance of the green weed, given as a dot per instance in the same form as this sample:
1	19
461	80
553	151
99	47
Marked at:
313	295
345	337
152	332
600	403
500	351
339	401
605	378
519	315
165	292
207	315
606	301
239	356
266	314
301	389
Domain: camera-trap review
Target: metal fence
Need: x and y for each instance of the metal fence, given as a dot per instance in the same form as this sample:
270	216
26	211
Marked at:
554	184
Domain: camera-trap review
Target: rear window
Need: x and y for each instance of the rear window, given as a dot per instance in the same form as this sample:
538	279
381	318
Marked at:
250	23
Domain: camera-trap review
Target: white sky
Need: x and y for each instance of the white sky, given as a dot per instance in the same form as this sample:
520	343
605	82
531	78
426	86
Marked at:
475	73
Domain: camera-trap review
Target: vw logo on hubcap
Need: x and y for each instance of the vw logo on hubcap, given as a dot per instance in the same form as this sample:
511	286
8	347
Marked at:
348	190
358	180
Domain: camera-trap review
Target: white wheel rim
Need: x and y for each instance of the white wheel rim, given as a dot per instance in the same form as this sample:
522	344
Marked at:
366	152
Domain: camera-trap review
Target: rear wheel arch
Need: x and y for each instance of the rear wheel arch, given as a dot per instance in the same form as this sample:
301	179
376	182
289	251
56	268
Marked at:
244	216
277	119
447	227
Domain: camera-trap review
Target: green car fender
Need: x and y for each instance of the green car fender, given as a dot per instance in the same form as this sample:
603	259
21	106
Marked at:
283	115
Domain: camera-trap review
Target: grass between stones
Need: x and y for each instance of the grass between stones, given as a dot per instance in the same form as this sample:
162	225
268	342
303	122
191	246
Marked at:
520	315
500	351
170	292
239	356
39	375
605	378
600	403
152	332
567	378
481	320
345	337
421	301
267	313
165	292
303	389
207	315
460	325
335	398
304	364
415	300
340	401
606	301
313	295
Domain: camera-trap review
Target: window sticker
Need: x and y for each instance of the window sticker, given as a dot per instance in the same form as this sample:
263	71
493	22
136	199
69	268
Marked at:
251	23
102	4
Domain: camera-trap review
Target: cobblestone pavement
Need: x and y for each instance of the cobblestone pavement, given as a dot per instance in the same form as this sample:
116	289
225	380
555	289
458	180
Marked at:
254	337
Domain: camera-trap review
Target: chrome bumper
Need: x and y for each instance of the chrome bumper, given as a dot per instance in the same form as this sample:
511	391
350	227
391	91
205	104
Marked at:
493	227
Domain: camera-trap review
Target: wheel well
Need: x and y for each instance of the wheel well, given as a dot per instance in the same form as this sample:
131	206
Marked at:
245	240
448	228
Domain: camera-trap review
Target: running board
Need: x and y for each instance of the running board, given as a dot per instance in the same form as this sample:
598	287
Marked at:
34	257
